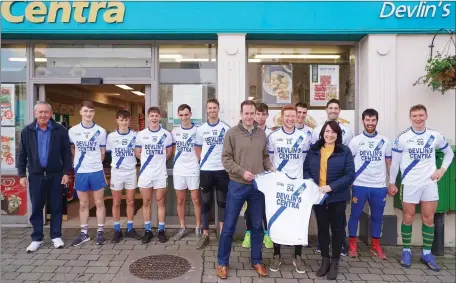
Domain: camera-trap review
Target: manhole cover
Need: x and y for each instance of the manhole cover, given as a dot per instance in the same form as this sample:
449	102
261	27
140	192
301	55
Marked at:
159	267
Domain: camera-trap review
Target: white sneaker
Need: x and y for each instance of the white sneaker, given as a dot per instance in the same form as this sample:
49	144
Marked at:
58	243
34	246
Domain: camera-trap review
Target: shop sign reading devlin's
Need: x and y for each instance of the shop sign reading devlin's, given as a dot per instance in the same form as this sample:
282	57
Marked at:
65	12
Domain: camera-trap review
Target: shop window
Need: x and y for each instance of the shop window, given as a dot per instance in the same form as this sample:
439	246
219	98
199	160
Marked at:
88	60
13	119
313	74
187	75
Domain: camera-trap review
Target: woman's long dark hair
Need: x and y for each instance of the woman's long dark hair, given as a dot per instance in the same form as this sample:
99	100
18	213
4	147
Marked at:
336	128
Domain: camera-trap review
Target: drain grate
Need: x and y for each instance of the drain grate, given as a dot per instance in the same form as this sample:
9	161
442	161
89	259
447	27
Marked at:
159	267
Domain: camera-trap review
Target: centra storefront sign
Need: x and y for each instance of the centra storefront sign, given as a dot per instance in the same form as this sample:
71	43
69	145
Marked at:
65	12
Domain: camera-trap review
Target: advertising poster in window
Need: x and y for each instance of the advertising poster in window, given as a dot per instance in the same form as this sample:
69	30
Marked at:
277	83
8	148
324	84
7	104
13	196
191	95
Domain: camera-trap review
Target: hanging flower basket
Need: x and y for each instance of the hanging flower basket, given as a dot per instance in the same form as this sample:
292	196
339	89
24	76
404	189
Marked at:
440	73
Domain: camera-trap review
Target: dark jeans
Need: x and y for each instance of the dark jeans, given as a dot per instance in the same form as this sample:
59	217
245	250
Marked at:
237	194
333	215
297	250
248	223
44	188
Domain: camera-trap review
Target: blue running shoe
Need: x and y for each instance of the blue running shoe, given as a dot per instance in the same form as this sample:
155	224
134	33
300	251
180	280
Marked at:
406	260
429	260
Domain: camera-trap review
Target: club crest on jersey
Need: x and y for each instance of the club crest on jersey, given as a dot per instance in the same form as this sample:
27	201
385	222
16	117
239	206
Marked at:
185	135
154	139
371	144
289	141
124	142
214	132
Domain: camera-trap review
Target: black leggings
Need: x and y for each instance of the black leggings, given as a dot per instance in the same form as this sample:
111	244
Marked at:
297	250
333	215
248	224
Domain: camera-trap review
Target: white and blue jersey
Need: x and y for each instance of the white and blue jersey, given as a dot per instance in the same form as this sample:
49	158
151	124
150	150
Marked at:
307	130
288	206
417	153
122	148
185	160
87	143
370	153
153	146
347	134
210	138
288	151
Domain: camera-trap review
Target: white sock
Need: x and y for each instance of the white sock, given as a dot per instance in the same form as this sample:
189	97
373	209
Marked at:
407	250
426	252
100	227
84	228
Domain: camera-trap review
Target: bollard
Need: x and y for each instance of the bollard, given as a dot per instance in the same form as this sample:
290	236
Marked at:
438	245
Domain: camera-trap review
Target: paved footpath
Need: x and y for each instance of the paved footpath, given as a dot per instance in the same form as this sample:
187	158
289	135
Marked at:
110	263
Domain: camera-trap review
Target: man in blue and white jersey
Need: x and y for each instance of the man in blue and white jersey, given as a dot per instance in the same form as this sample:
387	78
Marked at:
186	169
88	146
154	145
261	115
333	111
372	154
121	143
288	147
414	154
301	110
208	149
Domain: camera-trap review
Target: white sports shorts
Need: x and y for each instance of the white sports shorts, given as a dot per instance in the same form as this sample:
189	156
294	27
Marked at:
186	182
145	182
123	179
417	193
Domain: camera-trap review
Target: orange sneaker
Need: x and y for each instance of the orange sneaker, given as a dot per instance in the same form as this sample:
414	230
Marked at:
352	248
376	249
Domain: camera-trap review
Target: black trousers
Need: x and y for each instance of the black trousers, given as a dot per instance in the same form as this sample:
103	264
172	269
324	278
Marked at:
333	215
42	188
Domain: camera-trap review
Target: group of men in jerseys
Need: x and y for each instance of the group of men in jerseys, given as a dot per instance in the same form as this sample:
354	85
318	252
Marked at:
197	154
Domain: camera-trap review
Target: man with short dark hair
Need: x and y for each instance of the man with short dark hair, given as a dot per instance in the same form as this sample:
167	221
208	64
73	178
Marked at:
208	149
154	146
44	149
121	144
261	114
372	154
301	115
88	142
244	155
186	169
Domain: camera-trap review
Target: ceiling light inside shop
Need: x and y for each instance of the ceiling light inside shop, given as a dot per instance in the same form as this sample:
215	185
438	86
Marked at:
137	92
12	59
254	60
170	56
124	87
193	60
297	56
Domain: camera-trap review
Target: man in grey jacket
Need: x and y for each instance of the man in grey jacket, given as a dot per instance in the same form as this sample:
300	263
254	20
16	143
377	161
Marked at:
244	155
